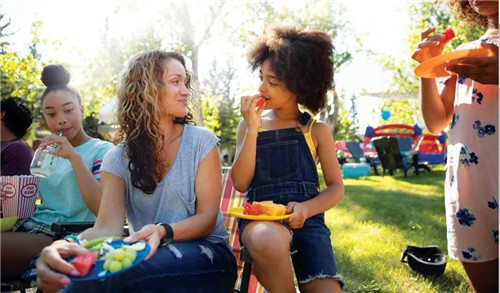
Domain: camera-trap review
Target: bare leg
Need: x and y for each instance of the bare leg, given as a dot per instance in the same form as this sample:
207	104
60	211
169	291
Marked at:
321	285
483	276
17	251
269	246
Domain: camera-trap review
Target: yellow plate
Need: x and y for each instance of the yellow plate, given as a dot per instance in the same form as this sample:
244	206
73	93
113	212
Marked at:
434	67
238	212
7	223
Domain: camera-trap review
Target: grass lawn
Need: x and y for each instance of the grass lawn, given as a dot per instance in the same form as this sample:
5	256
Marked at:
375	221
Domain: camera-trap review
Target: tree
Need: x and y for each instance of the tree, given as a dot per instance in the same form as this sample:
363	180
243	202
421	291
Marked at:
404	111
4	44
220	111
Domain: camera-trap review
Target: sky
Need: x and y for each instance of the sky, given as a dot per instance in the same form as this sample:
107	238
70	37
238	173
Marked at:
381	25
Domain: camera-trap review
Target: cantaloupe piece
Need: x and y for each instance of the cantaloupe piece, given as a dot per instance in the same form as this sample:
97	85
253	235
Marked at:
271	209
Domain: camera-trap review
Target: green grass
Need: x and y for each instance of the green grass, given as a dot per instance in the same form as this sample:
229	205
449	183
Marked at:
375	221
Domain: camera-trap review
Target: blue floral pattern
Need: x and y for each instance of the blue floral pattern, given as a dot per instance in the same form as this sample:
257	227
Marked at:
481	131
477	96
471	253
493	204
494	233
465	217
461	79
467	157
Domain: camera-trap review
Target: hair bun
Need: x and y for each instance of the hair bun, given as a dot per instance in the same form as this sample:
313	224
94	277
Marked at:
55	75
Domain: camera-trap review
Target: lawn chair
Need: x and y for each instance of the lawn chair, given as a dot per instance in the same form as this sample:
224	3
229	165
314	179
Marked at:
406	148
233	198
390	155
358	155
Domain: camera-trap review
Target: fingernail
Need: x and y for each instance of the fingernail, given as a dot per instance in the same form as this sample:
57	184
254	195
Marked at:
127	239
75	273
65	280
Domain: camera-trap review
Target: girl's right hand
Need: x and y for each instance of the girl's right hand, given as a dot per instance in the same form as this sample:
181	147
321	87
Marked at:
250	112
66	151
51	268
429	46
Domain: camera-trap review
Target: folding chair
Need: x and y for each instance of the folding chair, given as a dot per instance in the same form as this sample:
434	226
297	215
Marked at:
232	198
357	154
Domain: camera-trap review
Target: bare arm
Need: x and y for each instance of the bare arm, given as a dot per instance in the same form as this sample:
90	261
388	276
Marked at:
437	108
243	168
112	216
334	191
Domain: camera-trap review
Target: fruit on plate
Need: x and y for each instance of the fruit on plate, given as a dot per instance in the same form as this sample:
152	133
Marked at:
251	209
119	259
448	34
270	208
84	261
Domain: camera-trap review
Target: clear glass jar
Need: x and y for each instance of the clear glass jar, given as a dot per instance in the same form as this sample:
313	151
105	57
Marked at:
44	161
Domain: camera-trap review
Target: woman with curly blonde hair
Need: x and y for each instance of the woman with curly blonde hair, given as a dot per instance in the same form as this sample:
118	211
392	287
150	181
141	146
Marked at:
468	103
164	179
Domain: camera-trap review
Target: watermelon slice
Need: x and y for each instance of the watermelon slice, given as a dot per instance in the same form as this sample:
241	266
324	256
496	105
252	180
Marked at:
84	261
261	102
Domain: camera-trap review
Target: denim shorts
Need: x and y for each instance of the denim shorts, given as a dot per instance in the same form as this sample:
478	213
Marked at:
310	249
180	267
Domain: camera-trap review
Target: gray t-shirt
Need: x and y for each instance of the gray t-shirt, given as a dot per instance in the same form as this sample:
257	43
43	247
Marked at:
174	198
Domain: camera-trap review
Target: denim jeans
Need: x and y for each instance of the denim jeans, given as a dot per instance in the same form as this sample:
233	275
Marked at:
193	266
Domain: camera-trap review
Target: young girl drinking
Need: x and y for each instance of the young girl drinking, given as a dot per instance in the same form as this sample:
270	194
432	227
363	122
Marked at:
72	192
276	160
469	100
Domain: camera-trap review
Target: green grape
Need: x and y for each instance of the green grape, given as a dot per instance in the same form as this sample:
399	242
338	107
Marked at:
106	264
115	266
119	255
109	256
130	253
126	262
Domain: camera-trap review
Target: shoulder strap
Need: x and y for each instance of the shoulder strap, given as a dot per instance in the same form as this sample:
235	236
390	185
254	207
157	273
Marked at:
304	118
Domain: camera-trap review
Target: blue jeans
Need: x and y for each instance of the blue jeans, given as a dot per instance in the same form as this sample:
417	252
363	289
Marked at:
194	266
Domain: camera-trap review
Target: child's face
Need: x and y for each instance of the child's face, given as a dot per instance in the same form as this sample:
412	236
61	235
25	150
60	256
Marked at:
485	8
273	90
175	96
62	112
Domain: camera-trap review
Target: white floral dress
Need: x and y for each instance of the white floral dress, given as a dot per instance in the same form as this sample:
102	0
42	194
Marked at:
471	185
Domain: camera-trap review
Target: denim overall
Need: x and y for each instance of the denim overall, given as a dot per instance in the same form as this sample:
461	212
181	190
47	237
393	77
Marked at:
285	171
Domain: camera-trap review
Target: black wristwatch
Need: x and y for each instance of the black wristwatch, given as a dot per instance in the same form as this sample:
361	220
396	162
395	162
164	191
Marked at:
169	236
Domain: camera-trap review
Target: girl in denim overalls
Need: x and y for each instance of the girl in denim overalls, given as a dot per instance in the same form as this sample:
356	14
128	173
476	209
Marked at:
276	160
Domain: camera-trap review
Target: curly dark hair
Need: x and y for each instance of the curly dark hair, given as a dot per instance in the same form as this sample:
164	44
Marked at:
56	77
17	117
464	12
138	113
302	59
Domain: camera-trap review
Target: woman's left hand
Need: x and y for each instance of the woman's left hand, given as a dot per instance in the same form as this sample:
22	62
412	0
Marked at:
483	70
299	214
152	234
66	151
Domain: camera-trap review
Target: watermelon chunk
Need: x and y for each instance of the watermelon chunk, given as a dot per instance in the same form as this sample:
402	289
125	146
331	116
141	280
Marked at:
260	102
84	261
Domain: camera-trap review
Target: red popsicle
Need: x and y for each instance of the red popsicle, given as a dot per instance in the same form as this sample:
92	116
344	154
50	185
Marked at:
448	35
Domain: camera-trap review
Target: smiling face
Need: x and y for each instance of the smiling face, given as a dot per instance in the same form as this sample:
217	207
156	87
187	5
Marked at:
63	112
175	96
272	89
